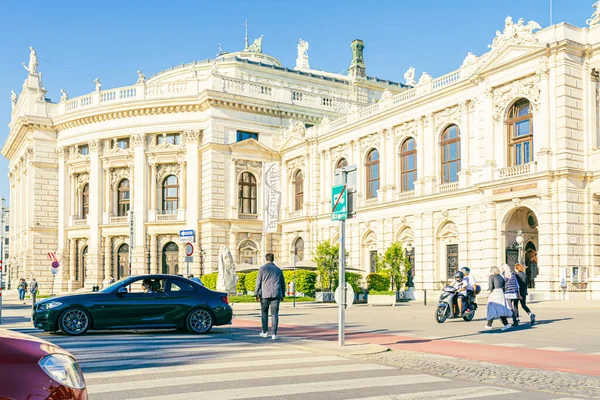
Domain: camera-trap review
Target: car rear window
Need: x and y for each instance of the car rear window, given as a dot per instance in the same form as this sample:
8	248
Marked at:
179	286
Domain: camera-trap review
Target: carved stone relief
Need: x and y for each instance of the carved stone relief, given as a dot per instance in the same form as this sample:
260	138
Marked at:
164	170
117	175
368	142
246	165
447	116
293	165
506	94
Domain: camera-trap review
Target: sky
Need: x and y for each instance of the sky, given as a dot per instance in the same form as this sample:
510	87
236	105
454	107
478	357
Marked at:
77	42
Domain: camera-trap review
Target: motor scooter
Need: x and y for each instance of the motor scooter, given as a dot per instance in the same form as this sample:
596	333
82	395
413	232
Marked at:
447	307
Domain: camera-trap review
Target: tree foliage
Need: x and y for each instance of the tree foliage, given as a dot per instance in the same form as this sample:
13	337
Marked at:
395	264
326	256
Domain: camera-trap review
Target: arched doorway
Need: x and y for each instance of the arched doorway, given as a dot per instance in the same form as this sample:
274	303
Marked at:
170	259
521	227
123	261
447	253
531	263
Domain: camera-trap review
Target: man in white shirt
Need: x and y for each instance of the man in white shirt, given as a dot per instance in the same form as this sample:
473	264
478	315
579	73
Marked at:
461	284
470	282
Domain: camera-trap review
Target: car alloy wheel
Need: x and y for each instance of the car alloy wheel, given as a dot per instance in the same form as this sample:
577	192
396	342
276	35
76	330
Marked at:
74	322
200	321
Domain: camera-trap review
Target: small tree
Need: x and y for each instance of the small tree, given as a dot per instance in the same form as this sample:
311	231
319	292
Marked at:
395	264
326	256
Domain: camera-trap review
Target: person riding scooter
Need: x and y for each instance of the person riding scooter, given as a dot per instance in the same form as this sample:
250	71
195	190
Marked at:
461	285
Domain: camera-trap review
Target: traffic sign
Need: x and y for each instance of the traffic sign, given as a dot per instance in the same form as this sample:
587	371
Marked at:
55	264
187	235
349	295
339	203
54	272
189	249
189	259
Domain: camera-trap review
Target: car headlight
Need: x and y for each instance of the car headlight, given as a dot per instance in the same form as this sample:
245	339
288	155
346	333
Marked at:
49	305
64	370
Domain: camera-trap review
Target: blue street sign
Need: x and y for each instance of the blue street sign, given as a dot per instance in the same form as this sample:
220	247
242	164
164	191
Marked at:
187	235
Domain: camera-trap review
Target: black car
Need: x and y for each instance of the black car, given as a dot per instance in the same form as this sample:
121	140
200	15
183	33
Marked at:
137	302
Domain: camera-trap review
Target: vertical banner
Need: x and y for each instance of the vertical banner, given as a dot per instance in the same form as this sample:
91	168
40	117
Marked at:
271	196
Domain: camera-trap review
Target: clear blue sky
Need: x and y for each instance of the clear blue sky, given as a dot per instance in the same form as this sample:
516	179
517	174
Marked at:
111	40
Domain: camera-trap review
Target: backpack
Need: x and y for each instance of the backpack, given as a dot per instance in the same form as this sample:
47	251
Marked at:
477	289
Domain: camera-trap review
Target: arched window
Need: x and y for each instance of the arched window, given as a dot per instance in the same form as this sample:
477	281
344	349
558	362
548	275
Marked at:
124	198
450	145
408	165
299	249
170	195
372	173
85	201
247	198
298	190
342	163
520	133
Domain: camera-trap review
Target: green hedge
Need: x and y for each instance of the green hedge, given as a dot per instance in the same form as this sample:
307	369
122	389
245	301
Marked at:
210	280
378	282
305	280
382	293
250	281
241	283
353	278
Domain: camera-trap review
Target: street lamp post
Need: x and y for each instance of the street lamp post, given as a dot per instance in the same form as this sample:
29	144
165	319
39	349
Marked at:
519	240
409	280
201	253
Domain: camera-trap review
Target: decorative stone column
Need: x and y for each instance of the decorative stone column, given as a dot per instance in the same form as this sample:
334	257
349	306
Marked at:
153	193
183	186
430	147
489	129
547	279
139	204
108	269
420	142
153	255
96	184
465	138
72	196
107	195
193	190
72	284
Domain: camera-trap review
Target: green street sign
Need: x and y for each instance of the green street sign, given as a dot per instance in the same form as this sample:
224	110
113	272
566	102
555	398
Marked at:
339	203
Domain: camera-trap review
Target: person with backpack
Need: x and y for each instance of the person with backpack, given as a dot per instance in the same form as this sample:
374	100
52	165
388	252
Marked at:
511	289
22	289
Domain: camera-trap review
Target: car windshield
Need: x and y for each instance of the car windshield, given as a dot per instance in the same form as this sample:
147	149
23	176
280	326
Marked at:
111	288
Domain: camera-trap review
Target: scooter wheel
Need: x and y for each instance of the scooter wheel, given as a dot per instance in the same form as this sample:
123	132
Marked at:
469	316
441	314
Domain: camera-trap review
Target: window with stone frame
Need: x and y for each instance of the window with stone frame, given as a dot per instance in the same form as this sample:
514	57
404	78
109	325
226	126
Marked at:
248	253
372	173
247	194
520	133
408	165
168	138
170	195
299	249
85	201
450	148
242	135
298	190
84	150
342	163
123	143
123	191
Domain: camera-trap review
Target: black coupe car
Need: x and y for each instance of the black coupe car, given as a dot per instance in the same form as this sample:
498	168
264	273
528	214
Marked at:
137	302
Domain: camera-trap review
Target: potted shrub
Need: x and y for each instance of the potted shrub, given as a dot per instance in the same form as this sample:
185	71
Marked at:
381	298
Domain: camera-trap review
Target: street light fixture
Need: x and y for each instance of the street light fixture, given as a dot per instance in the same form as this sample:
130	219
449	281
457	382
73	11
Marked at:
409	252
201	253
519	240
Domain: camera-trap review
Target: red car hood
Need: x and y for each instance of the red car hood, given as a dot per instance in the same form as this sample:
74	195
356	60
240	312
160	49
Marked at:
17	347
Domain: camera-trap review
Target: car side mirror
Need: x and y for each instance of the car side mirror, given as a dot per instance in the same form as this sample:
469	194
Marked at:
122	290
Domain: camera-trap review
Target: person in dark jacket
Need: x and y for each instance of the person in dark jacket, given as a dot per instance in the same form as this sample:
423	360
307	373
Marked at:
498	305
522	279
270	290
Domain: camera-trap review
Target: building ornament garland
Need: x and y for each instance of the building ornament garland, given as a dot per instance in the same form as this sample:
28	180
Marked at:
526	88
81	180
293	165
409	128
255	167
518	33
369	142
117	175
295	129
252	237
447	116
339	151
164	170
137	140
192	136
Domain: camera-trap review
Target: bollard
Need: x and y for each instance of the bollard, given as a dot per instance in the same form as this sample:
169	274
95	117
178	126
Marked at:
424	297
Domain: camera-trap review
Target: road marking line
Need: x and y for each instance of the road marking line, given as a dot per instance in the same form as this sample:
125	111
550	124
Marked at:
508	344
595	354
555	349
446	394
466	340
94	353
136	362
221	377
93	376
302	388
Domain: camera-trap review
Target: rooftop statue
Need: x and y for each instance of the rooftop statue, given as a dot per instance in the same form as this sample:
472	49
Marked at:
98	84
302	48
517	33
595	20
256	46
409	77
357	47
33	62
64	96
227	278
13	99
141	77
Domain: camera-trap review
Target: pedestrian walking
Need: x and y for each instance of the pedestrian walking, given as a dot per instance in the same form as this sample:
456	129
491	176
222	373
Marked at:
33	289
497	306
270	290
523	281
22	289
511	289
111	280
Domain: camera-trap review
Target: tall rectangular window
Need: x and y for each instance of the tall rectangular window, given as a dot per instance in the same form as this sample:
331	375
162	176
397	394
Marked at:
241	135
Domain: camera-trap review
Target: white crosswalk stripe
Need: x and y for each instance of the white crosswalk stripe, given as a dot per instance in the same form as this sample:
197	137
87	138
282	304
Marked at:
180	366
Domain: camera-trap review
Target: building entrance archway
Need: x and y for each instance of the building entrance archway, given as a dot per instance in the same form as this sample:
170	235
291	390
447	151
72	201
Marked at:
123	261
522	220
170	259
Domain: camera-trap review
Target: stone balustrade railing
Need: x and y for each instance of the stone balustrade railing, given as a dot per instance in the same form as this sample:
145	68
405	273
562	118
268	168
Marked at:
448	187
118	220
247	216
80	222
166	217
516	170
406	195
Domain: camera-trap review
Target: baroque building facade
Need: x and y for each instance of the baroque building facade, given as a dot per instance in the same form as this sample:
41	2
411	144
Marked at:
495	162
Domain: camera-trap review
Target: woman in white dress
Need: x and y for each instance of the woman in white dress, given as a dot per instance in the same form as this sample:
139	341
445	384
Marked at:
497	306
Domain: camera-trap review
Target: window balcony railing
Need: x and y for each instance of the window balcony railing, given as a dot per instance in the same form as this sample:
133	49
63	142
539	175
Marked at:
80	222
118	220
407	195
448	187
247	216
166	217
516	170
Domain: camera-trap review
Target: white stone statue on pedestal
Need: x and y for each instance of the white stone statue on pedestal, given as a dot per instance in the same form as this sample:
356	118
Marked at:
141	77
409	77
227	278
595	20
64	96
13	99
33	62
302	60
98	84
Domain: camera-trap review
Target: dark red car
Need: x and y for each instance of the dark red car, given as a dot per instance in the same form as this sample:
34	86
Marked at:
32	368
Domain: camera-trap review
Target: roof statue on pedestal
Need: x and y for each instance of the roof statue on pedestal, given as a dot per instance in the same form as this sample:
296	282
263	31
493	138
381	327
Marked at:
256	46
13	99
98	84
227	278
595	20
302	60
33	62
141	77
64	96
516	33
409	77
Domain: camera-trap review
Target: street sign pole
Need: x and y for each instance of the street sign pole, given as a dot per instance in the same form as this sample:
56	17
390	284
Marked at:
342	284
1	252
131	239
295	258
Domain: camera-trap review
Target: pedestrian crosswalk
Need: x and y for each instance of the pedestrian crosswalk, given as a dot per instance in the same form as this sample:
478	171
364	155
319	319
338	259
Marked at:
181	366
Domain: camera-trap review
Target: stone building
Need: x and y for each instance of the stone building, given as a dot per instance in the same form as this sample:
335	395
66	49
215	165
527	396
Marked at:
494	162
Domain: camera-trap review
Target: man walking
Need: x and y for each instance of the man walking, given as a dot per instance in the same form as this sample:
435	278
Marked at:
270	290
522	279
33	289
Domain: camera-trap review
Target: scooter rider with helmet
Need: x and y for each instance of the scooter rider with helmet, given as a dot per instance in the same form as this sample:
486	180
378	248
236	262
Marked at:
471	284
461	284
